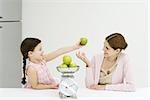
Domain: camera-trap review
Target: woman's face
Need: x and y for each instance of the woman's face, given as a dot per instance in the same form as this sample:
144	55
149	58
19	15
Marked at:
108	50
37	53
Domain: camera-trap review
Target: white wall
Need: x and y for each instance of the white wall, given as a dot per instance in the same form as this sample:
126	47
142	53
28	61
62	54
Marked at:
148	42
62	22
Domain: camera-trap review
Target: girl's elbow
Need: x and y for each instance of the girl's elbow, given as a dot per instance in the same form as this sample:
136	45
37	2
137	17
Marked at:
34	86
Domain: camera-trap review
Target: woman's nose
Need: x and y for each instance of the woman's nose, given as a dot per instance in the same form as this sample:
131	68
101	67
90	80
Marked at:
103	49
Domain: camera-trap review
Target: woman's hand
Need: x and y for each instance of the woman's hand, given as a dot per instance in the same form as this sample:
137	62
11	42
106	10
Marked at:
98	87
82	56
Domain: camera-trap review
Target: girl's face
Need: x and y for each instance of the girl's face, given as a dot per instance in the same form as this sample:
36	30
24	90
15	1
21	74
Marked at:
109	51
37	53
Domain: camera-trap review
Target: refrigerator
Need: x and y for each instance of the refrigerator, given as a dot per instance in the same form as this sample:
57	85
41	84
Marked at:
10	40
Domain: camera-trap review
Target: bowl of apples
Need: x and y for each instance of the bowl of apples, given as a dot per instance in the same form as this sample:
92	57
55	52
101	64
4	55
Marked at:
67	66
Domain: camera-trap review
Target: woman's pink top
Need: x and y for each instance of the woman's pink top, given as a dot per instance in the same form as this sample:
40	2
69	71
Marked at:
122	76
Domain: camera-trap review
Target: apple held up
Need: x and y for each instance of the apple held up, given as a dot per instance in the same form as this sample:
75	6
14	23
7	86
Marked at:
83	41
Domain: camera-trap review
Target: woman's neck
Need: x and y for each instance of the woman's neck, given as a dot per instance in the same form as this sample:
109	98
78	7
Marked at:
112	58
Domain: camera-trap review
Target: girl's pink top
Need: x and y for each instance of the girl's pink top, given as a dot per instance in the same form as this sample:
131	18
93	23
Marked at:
43	74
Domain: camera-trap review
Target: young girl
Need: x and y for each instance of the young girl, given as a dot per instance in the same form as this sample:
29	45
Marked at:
37	71
110	70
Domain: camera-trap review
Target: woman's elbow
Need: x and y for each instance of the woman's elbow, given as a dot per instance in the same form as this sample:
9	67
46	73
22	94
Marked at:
130	88
133	88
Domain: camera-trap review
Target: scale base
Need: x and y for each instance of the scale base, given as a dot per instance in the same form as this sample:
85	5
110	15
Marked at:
62	96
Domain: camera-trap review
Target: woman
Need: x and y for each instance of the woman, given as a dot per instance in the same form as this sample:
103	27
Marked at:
110	70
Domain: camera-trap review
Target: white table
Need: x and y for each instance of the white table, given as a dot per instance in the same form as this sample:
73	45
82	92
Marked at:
82	94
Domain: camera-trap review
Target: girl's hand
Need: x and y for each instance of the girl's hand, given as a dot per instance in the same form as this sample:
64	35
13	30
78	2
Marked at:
54	86
77	45
82	56
98	87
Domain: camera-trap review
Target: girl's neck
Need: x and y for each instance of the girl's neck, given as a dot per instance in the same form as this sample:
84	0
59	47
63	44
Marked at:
35	61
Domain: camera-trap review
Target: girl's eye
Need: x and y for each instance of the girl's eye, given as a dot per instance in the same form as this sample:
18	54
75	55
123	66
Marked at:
106	48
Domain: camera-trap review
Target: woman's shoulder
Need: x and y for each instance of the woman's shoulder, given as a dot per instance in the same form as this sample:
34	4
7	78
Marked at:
123	57
98	55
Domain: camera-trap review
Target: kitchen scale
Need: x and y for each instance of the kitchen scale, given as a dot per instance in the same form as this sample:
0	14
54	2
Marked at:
68	87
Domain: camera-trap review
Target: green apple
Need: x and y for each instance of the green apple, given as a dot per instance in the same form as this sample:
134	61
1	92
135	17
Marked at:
72	65
67	60
83	41
63	66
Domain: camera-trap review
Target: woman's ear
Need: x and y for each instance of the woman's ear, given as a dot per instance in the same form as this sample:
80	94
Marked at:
118	50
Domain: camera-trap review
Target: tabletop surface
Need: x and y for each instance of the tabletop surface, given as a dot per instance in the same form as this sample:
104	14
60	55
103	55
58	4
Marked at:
82	93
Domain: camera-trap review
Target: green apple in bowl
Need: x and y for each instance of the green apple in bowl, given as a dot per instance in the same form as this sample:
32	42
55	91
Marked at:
67	60
72	65
83	41
63	66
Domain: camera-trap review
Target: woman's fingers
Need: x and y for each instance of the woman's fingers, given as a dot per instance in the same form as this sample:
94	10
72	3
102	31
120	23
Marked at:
83	54
79	55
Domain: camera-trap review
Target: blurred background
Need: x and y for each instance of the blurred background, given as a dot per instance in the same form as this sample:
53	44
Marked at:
60	23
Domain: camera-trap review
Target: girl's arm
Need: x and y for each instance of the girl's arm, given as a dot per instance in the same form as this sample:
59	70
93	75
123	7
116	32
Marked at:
60	51
32	78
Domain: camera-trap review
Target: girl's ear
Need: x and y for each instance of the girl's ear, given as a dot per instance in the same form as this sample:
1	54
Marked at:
29	53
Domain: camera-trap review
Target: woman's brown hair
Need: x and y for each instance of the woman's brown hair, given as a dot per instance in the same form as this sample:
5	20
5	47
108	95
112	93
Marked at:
117	41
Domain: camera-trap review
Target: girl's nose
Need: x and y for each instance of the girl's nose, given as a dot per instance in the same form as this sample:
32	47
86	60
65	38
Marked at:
42	52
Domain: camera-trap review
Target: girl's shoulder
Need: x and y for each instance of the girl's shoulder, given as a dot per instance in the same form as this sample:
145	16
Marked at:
37	64
30	69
